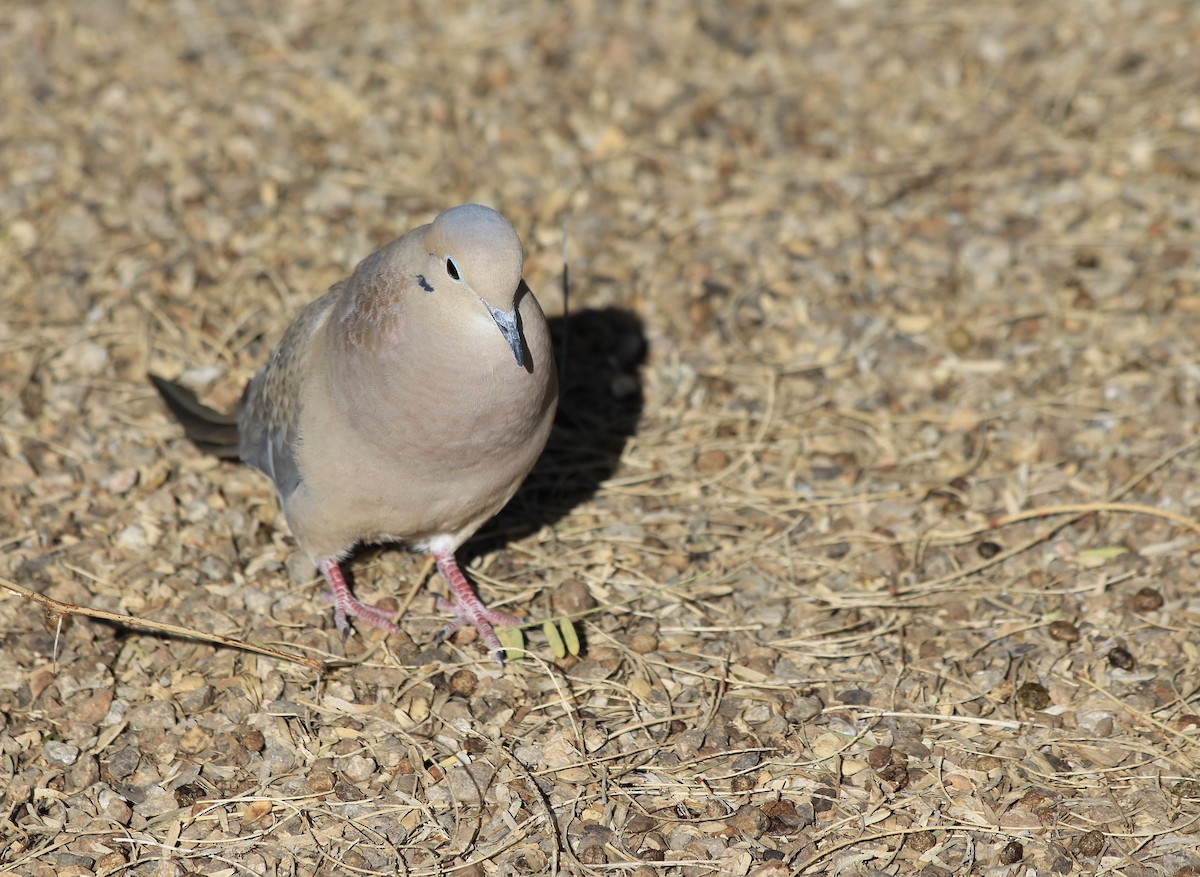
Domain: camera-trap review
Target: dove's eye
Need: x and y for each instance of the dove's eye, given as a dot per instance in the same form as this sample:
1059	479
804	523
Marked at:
452	268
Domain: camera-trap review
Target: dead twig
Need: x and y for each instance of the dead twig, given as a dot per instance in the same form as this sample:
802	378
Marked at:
59	609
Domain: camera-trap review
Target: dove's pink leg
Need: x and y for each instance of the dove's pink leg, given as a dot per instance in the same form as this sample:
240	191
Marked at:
346	604
467	607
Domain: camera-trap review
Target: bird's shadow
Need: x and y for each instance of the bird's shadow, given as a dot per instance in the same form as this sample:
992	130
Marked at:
599	353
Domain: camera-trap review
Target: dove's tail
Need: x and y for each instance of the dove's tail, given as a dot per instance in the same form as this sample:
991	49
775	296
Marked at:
210	430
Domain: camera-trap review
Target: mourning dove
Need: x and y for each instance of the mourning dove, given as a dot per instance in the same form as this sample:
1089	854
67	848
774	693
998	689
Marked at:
406	404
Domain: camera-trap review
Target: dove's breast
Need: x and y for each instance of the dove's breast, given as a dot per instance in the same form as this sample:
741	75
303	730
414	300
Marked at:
425	445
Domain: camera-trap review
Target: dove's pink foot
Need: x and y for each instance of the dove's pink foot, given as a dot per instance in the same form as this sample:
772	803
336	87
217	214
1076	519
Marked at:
347	605
467	607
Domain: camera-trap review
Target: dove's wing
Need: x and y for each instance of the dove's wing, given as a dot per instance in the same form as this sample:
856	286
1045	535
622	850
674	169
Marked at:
269	414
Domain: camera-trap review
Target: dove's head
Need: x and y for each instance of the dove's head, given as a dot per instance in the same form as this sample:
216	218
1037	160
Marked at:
474	259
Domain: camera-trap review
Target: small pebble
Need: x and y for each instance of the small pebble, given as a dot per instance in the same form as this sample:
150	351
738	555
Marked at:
837	550
1187	788
595	834
922	841
960	340
1033	695
823	799
189	793
357	768
879	756
1121	659
24	234
256	811
194	740
712	461
196	700
1095	723
746	760
272	688
1034	800
988	763
743	783
201	376
804	709
153	715
572	597
640	823
787	817
352	861
133	539
320	781
749	819
116	808
1187	722
1147	600
855	697
1063	631
988	549
83	773
1012	853
72	869
463	683
643	642
119	481
343	791
1091	843
111	863
59	753
593	855
253	740
896	775
90	359
467	784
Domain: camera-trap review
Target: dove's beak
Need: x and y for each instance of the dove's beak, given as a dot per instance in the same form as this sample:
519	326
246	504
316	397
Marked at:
506	321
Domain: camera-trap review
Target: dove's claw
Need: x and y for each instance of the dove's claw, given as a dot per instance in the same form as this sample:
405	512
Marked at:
468	609
346	605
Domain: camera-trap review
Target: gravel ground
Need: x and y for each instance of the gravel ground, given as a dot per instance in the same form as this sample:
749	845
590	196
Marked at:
871	496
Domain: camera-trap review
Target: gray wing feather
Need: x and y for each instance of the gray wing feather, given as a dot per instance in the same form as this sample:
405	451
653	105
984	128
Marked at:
269	414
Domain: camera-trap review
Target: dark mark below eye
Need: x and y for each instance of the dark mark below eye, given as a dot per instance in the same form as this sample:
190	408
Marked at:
423	283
